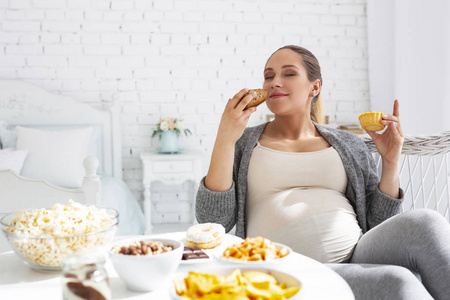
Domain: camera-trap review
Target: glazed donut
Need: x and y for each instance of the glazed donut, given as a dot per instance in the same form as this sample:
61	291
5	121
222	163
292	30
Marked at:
205	236
261	96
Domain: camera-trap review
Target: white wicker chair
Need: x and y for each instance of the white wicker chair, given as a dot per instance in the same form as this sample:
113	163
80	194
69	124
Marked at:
424	171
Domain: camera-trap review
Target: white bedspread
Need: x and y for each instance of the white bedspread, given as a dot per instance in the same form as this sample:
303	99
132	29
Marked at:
116	194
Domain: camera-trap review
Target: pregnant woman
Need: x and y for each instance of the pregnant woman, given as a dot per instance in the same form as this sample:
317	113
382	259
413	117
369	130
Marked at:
316	189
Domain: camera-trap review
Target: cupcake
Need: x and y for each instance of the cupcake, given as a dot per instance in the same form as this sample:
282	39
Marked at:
371	121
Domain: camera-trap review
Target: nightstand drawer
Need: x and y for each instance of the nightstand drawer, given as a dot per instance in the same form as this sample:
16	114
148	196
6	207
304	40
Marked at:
172	166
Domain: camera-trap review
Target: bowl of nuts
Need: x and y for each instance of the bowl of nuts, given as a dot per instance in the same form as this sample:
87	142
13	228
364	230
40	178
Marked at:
146	264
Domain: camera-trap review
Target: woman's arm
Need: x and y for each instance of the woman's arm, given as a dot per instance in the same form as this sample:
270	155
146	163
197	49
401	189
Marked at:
220	174
389	183
389	146
232	124
216	207
216	196
381	204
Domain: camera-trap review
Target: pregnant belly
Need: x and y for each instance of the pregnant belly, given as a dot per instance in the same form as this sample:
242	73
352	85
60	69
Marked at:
318	223
328	238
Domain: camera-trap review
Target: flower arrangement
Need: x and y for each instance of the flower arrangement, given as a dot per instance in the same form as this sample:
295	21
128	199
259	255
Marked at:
173	124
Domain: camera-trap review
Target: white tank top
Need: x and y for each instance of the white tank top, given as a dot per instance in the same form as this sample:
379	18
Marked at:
298	199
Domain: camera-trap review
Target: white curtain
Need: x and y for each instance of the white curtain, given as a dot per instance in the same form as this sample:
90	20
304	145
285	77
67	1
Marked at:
409	60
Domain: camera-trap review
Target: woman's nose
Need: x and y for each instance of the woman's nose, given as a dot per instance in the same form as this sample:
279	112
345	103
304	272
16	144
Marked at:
276	82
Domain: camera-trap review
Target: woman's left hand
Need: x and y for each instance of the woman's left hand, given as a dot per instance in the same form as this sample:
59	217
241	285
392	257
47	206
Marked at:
389	143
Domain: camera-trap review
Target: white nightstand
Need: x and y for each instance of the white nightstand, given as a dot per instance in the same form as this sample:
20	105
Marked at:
170	169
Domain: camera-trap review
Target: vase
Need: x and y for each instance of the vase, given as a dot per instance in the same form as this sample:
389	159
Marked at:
169	142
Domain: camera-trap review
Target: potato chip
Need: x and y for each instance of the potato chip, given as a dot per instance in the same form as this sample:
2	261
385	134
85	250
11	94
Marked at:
259	279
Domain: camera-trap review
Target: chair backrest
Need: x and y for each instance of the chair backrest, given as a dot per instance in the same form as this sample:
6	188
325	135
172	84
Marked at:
424	171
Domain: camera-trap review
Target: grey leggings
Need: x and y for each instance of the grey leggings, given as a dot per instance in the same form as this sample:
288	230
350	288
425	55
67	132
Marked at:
386	256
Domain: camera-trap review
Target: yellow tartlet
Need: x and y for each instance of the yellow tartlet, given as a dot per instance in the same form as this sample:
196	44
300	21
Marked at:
371	121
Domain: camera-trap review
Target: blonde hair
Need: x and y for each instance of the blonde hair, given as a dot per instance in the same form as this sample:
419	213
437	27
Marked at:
312	67
317	110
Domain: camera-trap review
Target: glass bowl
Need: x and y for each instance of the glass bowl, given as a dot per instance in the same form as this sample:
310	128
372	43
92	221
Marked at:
46	251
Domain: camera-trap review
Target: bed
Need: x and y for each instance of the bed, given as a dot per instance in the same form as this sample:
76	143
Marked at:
53	148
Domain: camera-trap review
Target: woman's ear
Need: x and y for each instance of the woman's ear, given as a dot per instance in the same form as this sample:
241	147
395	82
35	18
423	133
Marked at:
316	87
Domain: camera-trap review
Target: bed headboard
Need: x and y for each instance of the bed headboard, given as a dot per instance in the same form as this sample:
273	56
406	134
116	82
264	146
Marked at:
28	105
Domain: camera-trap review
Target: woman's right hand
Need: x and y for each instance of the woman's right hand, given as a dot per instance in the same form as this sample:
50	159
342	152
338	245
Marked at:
235	117
232	125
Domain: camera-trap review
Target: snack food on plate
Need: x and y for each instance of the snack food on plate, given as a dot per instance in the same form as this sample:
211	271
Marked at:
261	96
205	236
236	285
255	249
142	248
193	253
371	121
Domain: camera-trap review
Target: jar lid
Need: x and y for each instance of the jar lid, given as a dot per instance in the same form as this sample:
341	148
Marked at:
84	258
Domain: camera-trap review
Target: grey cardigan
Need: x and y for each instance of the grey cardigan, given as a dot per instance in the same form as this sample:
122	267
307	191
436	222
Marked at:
371	205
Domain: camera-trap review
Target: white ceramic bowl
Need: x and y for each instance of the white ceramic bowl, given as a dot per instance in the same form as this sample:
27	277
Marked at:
46	254
218	255
147	272
281	277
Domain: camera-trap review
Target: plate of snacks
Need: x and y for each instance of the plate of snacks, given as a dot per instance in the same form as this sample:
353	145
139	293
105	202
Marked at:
253	251
201	240
232	283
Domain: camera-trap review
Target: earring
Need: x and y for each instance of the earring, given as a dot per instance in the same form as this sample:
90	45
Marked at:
312	95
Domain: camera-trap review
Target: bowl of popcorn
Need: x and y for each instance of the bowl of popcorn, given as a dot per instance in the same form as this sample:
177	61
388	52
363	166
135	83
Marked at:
146	264
42	238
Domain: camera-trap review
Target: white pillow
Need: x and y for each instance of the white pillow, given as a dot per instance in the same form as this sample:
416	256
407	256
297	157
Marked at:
8	139
12	160
55	156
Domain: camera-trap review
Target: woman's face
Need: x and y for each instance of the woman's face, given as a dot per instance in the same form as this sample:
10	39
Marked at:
286	80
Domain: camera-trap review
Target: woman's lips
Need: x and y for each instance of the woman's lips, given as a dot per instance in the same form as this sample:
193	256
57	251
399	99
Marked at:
277	95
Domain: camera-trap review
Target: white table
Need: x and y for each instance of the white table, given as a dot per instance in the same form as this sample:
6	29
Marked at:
18	281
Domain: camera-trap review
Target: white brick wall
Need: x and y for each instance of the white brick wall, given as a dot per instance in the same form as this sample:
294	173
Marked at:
179	57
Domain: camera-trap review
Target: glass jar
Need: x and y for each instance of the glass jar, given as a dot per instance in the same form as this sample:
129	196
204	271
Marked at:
84	276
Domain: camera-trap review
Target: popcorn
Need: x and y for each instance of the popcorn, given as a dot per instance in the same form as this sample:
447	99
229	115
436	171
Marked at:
44	237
